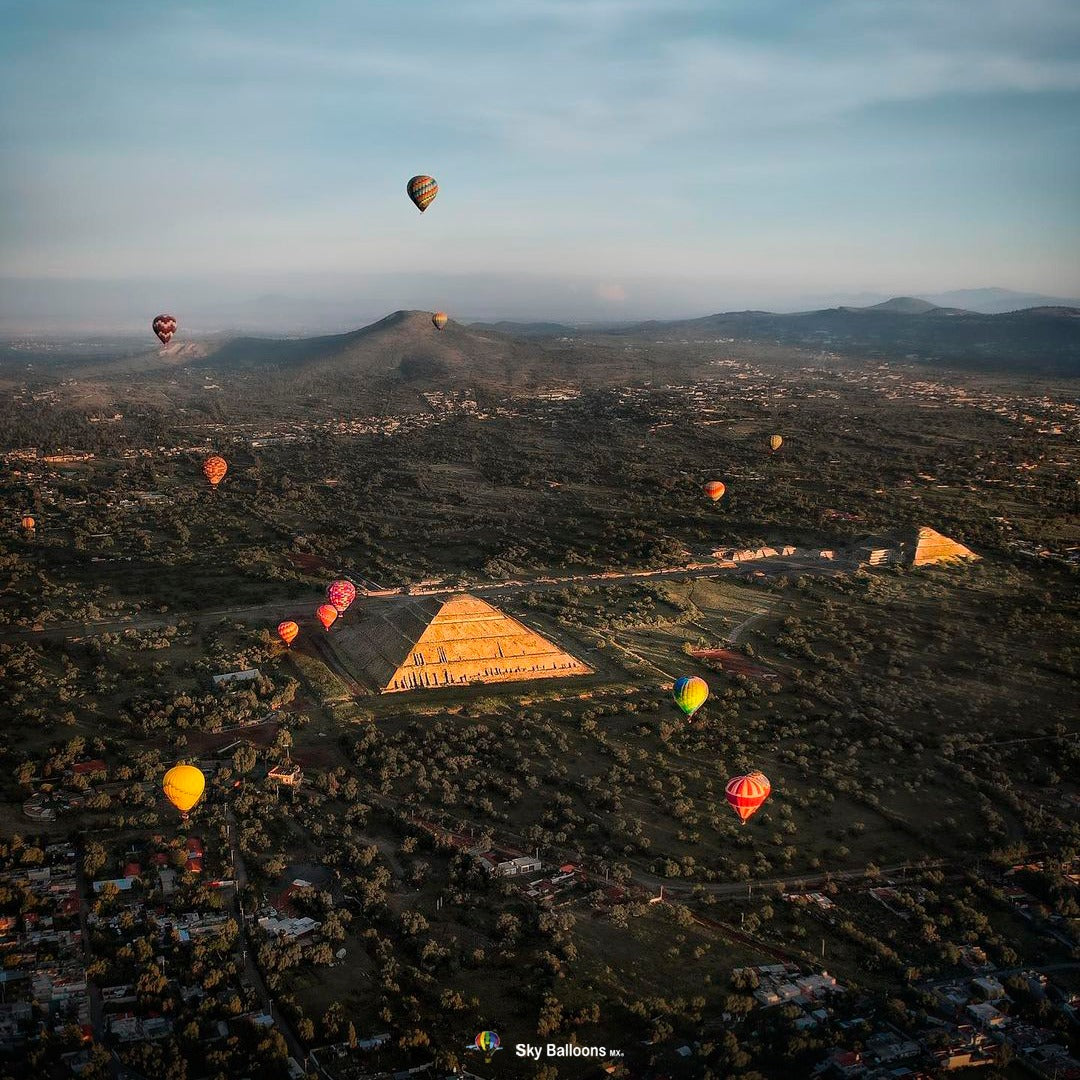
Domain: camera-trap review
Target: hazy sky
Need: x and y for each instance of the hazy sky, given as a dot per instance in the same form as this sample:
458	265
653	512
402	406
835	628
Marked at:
605	158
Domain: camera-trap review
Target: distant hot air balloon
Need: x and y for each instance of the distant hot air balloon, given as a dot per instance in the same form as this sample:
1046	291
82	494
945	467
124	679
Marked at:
183	786
287	631
690	693
439	319
775	442
715	490
214	469
28	523
422	190
341	594
326	615
164	326
747	793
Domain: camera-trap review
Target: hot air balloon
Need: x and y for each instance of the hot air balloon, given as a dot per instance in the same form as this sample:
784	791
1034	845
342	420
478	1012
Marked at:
341	594
775	442
164	326
715	490
183	786
214	469
28	523
422	190
326	615
439	319
690	693
287	631
747	793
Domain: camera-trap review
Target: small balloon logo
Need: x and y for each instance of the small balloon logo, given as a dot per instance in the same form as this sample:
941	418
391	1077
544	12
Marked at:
487	1041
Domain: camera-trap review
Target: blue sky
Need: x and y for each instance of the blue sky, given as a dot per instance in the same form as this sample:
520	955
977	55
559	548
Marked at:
596	158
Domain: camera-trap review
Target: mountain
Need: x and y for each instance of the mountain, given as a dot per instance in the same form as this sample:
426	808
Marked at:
998	301
403	351
902	305
1041	340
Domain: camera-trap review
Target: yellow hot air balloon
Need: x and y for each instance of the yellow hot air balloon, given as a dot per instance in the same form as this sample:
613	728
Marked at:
775	442
183	786
440	319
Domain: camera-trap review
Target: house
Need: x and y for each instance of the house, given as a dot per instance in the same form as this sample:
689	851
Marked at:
237	676
986	1016
286	775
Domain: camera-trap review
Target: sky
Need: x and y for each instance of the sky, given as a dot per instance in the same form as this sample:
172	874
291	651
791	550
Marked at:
245	161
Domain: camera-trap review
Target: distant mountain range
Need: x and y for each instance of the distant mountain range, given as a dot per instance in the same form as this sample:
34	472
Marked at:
1043	340
404	351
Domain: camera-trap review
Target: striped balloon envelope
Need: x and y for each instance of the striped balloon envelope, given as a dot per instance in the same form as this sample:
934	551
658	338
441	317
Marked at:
439	319
422	190
690	693
714	489
747	793
287	631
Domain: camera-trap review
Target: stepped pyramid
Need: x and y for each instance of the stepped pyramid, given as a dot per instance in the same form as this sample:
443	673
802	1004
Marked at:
931	547
428	642
914	546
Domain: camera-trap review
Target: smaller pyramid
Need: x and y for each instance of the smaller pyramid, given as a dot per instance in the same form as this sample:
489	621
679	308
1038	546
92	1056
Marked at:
931	547
427	643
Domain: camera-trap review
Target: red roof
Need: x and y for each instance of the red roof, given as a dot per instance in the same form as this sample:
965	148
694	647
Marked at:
194	865
194	845
133	869
97	765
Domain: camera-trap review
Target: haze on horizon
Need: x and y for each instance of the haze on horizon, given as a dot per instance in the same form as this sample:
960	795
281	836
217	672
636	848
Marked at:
244	164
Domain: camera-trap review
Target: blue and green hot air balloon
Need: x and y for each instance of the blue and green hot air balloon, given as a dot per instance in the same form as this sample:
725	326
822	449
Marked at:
690	693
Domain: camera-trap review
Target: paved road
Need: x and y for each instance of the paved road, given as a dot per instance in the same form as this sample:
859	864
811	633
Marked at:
251	969
273	612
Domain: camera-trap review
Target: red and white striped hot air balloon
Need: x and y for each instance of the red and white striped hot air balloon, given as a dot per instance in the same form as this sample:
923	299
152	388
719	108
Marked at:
747	793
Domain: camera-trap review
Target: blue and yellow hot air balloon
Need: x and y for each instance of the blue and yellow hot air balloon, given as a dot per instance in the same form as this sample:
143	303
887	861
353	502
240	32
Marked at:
690	693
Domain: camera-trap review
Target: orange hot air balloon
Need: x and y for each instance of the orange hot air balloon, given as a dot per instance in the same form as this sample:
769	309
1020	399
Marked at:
775	442
164	326
287	631
747	793
715	490
183	786
440	319
422	190
326	615
214	469
341	594
28	523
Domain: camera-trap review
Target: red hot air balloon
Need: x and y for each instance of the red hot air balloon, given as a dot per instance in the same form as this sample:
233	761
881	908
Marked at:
214	469
287	631
747	793
341	594
422	190
326	615
715	490
164	326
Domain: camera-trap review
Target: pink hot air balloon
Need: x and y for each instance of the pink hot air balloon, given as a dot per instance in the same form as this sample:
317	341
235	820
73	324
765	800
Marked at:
341	594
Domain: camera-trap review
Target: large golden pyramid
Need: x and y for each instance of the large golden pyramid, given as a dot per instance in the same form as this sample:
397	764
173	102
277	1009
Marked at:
931	547
427	642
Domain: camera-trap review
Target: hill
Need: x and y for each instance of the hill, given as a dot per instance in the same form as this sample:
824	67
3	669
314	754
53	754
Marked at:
1042	340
